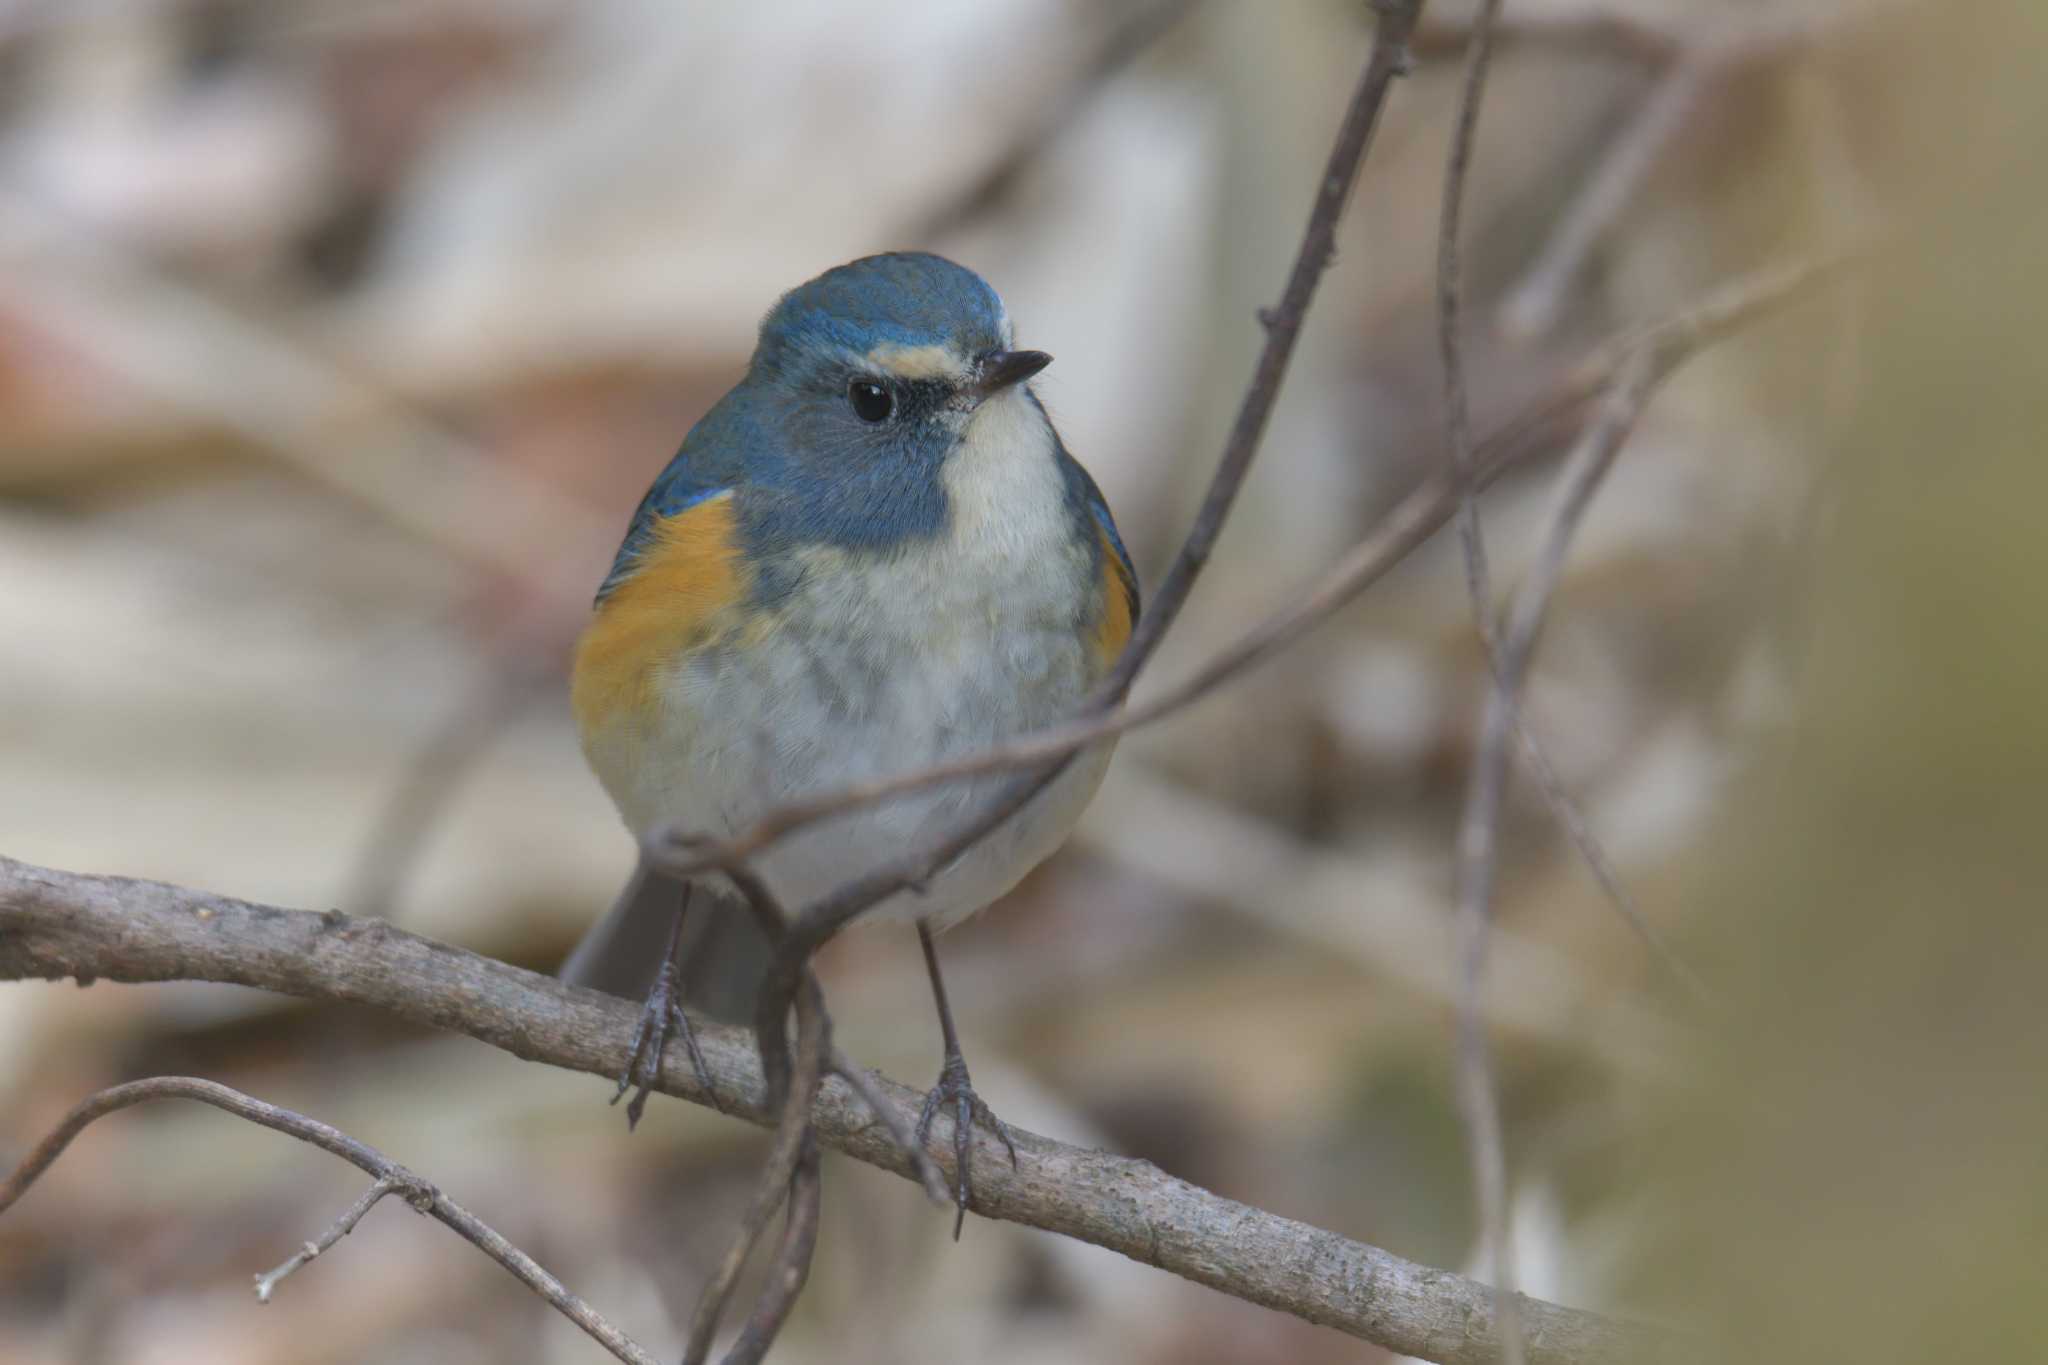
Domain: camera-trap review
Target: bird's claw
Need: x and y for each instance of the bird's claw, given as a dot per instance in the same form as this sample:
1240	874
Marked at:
661	1017
954	1089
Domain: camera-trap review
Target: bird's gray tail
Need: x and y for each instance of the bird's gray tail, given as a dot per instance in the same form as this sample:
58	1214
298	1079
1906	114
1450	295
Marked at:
724	953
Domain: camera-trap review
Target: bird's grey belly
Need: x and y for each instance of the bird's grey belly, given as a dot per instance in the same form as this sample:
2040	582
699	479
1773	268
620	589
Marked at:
843	697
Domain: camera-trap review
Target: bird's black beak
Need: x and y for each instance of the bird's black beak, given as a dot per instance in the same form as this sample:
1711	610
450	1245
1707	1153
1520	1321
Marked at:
1002	369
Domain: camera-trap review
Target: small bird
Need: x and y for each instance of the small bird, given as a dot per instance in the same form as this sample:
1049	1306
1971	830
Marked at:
872	554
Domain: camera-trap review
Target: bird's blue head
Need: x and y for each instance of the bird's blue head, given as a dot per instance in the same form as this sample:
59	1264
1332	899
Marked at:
866	379
865	382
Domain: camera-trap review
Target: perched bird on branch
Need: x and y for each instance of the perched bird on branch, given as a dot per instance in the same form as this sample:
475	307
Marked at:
874	553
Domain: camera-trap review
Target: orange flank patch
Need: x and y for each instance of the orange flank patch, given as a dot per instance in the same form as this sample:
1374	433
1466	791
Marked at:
687	578
1113	625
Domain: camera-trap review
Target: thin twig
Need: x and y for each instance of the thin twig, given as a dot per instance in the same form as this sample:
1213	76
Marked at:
58	925
767	909
1565	810
1478	842
1450	293
792	1136
1531	308
862	1082
1352	906
1479	1101
419	1193
1388	59
792	1167
1698	61
1475	1076
792	1260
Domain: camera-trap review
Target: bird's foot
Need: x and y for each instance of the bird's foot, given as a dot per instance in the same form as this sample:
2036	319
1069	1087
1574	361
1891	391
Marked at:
661	1017
955	1091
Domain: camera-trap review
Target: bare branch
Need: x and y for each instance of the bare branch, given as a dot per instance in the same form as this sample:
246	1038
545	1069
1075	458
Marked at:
391	1177
1532	306
1388	59
57	924
1613	184
862	1082
1475	1077
792	1259
767	910
420	1195
1450	293
1311	893
792	1139
1696	63
1478	842
1565	810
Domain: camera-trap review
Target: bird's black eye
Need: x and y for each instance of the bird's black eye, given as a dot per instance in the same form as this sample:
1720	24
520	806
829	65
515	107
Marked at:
871	402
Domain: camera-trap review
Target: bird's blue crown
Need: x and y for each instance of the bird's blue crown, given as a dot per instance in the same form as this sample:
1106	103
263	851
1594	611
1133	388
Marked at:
904	298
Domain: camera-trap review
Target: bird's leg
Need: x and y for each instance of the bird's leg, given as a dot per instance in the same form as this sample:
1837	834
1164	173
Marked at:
954	1089
660	1017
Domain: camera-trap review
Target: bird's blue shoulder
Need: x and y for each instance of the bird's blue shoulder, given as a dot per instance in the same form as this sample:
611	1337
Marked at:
705	466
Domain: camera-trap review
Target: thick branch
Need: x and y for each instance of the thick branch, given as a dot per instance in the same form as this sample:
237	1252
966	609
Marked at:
58	924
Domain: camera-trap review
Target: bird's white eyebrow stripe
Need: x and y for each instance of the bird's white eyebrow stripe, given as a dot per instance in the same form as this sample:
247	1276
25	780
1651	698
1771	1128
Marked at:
917	362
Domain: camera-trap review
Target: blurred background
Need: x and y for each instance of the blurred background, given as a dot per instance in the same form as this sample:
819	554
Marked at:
338	339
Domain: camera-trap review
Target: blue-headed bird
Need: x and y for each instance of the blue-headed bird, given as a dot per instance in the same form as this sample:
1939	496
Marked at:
872	554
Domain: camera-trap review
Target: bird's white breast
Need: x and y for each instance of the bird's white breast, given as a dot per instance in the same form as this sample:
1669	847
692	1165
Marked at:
876	664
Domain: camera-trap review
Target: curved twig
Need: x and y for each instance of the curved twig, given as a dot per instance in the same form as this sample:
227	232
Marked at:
1450	296
267	1282
391	1178
1478	830
799	1242
1388	59
1481	1107
792	1139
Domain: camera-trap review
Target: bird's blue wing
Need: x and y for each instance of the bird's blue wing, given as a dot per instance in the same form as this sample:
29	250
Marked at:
1081	487
709	463
1087	500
